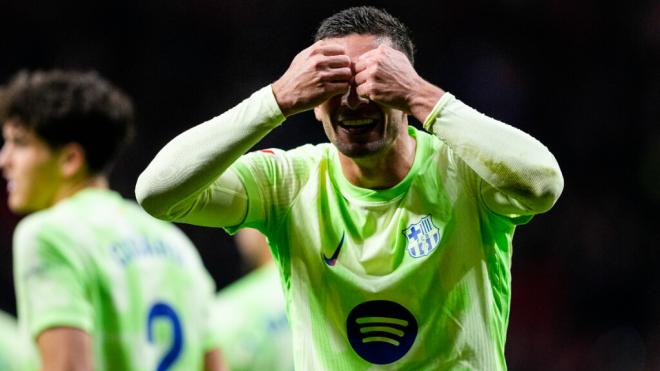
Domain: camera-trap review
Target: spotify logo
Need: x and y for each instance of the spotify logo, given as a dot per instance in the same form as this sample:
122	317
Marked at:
381	331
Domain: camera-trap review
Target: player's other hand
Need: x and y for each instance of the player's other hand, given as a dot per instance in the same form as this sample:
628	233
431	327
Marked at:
386	76
316	74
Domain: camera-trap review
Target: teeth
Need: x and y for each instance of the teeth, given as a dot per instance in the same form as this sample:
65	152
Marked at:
357	122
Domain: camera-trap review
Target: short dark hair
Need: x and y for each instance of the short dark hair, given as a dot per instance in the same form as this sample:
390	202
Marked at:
71	106
367	20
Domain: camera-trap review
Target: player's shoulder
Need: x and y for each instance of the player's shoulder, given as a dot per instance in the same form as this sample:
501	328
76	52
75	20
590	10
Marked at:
293	165
36	224
35	235
305	153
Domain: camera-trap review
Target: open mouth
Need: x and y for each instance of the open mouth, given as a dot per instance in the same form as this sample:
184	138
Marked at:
358	122
357	126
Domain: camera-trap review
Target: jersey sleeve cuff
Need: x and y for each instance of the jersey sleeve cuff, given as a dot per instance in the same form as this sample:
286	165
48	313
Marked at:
60	319
272	109
437	111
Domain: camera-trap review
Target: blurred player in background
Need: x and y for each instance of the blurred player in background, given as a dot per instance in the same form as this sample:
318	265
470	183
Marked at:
14	350
99	284
394	244
250	313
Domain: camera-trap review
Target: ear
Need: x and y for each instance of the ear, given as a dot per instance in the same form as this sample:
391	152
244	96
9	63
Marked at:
71	160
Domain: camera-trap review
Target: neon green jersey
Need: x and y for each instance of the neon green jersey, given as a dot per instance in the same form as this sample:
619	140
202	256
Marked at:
415	277
15	352
251	323
98	263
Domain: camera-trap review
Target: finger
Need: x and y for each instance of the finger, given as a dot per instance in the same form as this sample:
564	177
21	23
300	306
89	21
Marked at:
360	65
369	53
361	77
336	88
338	61
364	62
338	75
364	90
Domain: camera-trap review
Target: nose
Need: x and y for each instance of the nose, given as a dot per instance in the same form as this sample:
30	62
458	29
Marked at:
351	99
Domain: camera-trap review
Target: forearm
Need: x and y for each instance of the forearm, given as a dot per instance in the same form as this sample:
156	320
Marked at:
65	349
510	161
193	160
213	361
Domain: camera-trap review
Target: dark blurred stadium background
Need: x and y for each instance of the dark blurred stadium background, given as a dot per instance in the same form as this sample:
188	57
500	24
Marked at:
582	76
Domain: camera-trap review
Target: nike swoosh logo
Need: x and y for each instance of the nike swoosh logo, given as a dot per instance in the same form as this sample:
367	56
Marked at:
331	261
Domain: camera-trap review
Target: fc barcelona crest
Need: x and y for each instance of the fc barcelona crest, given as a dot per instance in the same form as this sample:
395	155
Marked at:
423	237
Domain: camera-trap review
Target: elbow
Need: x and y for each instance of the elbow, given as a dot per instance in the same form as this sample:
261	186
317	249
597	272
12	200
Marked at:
526	193
148	198
550	188
558	186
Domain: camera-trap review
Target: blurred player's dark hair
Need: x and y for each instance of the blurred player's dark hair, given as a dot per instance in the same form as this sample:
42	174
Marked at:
71	107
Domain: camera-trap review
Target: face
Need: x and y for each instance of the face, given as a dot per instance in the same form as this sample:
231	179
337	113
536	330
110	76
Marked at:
30	168
359	127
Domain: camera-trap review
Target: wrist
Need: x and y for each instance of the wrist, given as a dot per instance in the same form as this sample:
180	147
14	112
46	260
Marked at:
281	100
425	97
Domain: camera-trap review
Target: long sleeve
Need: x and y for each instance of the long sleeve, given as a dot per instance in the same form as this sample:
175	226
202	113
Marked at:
187	181
521	176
